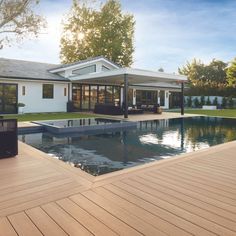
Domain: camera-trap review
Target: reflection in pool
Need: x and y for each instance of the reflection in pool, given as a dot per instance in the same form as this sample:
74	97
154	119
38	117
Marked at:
151	140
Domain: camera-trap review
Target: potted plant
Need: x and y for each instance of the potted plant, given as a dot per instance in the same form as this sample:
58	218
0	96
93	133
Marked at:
21	108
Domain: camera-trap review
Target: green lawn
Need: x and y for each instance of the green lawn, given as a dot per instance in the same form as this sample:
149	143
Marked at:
48	116
224	112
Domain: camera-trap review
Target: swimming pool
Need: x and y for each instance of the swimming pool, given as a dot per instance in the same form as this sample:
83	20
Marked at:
149	141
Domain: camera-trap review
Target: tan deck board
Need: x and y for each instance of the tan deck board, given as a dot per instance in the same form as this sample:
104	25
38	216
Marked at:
122	214
200	186
44	223
187	197
201	179
124	200
192	186
67	222
6	228
154	190
194	194
192	222
23	225
93	224
105	217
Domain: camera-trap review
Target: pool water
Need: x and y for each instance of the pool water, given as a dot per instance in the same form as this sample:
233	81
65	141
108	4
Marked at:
150	141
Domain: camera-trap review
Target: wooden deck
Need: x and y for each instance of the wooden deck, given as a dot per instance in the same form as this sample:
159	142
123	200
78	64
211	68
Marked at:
193	194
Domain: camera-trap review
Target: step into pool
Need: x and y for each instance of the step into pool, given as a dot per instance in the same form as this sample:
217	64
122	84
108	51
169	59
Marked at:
84	125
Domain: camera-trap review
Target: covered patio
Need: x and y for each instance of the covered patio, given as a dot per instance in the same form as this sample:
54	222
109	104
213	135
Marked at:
127	77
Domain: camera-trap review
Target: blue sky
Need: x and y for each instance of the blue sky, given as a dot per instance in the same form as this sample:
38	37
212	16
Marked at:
168	32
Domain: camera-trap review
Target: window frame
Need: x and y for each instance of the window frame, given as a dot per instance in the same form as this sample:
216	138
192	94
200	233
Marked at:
46	96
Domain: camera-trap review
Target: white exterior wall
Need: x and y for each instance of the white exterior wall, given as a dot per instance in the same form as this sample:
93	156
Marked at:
33	99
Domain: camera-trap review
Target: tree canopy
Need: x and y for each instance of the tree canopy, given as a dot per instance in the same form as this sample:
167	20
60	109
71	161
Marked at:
231	74
17	20
216	78
201	75
90	32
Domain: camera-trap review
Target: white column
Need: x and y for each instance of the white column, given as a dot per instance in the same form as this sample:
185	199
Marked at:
69	88
121	96
134	97
158	97
166	99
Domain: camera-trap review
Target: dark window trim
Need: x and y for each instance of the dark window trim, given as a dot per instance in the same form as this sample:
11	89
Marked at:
106	67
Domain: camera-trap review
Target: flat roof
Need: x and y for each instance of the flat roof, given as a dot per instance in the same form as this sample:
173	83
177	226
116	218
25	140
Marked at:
135	76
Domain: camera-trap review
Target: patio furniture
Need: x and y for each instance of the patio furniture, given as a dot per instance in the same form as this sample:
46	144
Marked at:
157	109
8	138
134	111
107	109
149	108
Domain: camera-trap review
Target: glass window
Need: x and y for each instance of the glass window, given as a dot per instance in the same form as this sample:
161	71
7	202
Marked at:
146	97
8	98
93	96
23	90
76	96
162	98
85	70
85	97
138	97
117	95
130	97
48	91
109	94
101	94
65	92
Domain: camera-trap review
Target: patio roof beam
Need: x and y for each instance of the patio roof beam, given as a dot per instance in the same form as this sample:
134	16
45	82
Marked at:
182	99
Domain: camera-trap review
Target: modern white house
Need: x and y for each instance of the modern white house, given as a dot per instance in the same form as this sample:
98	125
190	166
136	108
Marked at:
46	87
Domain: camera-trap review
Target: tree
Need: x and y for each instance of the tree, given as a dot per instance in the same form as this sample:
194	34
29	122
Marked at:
231	74
160	69
90	32
201	75
194	70
215	73
17	20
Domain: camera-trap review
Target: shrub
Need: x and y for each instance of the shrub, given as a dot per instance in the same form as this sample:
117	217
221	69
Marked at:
208	102
215	102
224	102
189	101
231	102
202	102
196	102
20	104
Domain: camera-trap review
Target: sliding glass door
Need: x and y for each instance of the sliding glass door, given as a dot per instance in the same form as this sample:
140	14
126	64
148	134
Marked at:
86	96
8	98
